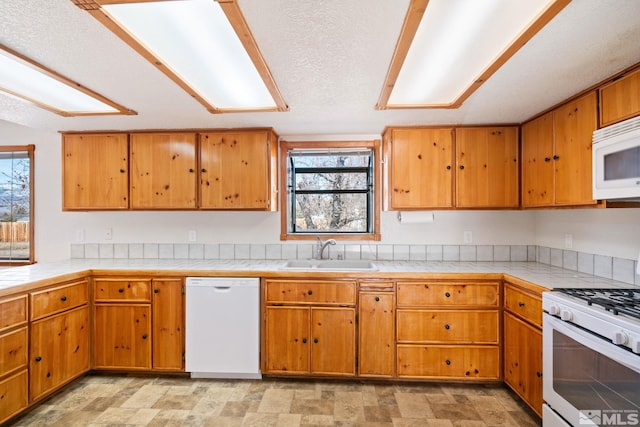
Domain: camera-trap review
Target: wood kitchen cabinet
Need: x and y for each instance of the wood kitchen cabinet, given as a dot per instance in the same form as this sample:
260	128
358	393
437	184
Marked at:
487	167
95	171
309	327
376	332
620	99
163	171
168	324
238	170
448	330
420	173
14	345
60	332
556	155
523	344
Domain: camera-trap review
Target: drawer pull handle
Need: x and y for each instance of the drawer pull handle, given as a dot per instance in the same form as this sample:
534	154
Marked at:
121	290
447	294
448	362
377	299
309	292
447	327
38	358
520	304
63	298
144	337
156	291
304	340
315	340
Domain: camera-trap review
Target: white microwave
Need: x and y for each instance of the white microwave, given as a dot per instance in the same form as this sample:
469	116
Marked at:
616	161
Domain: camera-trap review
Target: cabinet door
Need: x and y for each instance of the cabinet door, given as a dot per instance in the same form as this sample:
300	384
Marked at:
235	170
95	171
168	324
163	171
421	168
537	162
620	100
333	348
376	348
121	336
14	396
523	360
59	350
487	167
574	124
287	340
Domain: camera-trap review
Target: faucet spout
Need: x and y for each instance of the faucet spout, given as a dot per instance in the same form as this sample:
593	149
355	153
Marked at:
321	245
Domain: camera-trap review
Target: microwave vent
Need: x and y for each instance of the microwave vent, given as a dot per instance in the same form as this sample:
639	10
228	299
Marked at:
611	131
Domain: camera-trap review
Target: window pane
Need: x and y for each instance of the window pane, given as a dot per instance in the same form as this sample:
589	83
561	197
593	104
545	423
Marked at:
15	206
331	213
331	181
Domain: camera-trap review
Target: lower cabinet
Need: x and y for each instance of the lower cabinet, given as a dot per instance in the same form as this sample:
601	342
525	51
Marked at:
470	362
14	358
59	350
376	339
122	336
168	324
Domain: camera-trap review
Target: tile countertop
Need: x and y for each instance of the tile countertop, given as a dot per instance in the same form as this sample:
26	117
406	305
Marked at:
14	279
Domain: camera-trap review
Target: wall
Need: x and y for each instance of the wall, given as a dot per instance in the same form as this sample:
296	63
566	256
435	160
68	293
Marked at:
612	232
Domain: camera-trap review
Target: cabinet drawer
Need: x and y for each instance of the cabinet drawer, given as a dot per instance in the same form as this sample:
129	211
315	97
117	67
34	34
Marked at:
13	350
523	304
448	326
425	294
56	300
311	292
460	362
14	395
121	290
13	311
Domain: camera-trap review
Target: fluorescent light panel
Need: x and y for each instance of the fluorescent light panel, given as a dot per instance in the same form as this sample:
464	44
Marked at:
26	80
196	45
457	45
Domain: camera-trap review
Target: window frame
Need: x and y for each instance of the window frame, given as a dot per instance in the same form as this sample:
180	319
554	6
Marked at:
30	149
285	210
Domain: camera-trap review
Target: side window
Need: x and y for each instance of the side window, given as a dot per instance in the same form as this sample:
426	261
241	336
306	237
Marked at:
331	189
16	205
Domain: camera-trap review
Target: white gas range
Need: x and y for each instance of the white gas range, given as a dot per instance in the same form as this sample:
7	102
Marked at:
591	357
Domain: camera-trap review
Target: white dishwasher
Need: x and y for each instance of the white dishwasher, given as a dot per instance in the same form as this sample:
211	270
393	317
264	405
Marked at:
223	327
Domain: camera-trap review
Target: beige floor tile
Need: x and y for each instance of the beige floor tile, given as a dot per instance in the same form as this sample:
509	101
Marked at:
276	401
414	405
348	406
289	420
145	397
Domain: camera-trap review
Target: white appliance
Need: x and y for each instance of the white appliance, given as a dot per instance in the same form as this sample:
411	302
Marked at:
223	327
616	161
591	357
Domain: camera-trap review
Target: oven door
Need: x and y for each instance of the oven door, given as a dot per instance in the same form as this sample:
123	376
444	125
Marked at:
587	379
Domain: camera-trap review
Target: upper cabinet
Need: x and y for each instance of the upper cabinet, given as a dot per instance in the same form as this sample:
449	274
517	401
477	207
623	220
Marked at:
425	163
163	171
556	155
620	99
95	171
421	168
487	167
238	170
231	169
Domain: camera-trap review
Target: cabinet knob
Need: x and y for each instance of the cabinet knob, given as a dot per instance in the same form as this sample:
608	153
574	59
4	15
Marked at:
377	299
447	327
539	374
448	362
447	294
547	159
556	157
38	359
121	290
144	337
520	304
156	291
315	340
304	340
122	171
309	292
63	298
448	167
191	170
203	170
461	167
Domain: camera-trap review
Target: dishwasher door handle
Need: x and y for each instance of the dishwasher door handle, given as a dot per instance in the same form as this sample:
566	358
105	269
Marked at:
222	288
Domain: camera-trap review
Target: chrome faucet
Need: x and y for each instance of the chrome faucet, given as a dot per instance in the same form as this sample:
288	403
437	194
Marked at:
320	246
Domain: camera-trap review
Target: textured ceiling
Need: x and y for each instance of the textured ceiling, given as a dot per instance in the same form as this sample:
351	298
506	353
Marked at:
329	59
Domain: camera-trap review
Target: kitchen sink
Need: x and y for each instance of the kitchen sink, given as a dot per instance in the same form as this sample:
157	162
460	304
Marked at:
330	265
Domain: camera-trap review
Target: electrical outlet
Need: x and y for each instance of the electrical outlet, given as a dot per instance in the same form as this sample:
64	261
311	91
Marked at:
568	241
79	235
192	235
468	237
108	234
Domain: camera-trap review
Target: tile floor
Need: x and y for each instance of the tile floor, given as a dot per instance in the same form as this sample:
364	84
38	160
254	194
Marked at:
100	400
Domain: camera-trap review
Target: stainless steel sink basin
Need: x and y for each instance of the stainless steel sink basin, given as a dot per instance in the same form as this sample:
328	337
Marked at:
330	265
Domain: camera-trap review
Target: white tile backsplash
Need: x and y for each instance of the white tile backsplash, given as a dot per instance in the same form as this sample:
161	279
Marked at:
603	266
196	251
570	260
165	251
484	253
468	253
451	253
211	251
418	253
623	270
105	250
585	263
181	251
501	253
150	251
434	253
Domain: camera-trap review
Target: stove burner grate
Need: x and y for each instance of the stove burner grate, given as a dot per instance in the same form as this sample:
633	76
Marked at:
617	301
